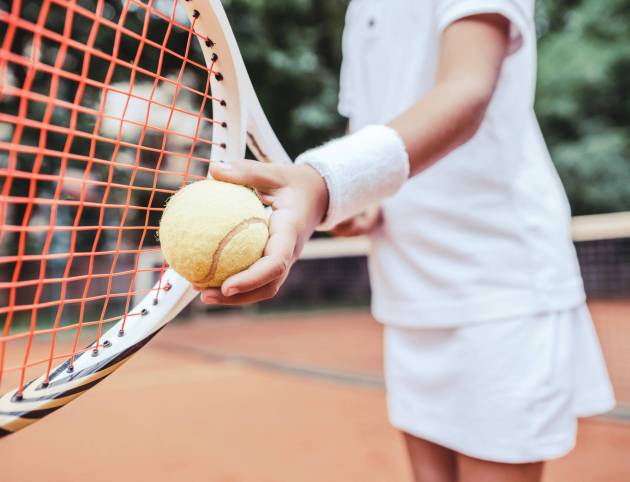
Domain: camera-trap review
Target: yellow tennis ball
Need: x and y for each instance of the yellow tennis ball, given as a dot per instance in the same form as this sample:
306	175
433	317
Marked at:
211	230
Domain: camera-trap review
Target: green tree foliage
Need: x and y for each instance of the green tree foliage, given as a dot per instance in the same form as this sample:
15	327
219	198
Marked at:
292	50
583	103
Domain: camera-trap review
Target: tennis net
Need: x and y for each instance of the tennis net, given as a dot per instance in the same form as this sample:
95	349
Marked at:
333	273
602	243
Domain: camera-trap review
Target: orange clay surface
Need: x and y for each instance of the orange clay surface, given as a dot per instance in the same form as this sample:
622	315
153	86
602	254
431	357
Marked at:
294	398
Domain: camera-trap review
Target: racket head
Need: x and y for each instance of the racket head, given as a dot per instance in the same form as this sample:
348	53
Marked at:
105	111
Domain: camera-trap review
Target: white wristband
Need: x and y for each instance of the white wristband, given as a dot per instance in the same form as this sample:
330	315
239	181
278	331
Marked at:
360	170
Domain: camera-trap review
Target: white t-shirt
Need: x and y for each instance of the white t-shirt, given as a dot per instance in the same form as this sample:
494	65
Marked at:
483	234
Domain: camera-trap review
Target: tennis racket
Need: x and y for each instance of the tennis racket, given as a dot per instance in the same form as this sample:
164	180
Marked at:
106	109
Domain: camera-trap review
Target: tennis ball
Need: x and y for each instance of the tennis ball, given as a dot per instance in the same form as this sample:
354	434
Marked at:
211	230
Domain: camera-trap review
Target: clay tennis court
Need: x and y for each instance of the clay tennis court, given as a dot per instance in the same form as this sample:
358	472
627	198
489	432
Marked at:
288	397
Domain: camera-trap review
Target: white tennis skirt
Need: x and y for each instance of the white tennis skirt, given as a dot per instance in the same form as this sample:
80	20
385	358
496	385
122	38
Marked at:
507	391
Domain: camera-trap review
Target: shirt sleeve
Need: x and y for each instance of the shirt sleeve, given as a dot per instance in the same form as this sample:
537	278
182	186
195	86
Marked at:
344	107
520	13
346	82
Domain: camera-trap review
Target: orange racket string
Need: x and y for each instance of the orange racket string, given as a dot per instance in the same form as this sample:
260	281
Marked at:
33	96
26	283
11	164
46	331
54	89
73	234
81	254
94	160
92	137
59	228
22	111
158	163
42	32
48	69
84	176
70	301
6	44
87	182
95	17
161	157
99	231
67	202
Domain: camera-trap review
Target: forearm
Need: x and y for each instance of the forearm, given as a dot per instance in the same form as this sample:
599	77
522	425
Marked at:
373	163
447	117
472	53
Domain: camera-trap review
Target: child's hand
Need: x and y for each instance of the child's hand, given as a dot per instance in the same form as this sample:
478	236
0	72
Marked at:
299	199
363	223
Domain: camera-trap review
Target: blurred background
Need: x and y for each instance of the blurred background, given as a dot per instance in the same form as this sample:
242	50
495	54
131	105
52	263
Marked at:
291	389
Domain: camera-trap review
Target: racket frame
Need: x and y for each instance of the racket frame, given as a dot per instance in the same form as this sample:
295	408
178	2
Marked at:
245	125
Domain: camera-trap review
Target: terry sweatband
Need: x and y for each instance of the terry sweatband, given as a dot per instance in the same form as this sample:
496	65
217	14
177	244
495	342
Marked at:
360	170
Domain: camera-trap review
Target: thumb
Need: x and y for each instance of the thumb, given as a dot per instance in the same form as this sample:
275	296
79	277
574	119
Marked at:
248	173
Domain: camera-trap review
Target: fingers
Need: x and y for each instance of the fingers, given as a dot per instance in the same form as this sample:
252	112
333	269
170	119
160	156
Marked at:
263	279
248	173
259	282
279	254
370	220
344	229
290	224
216	297
363	223
265	271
